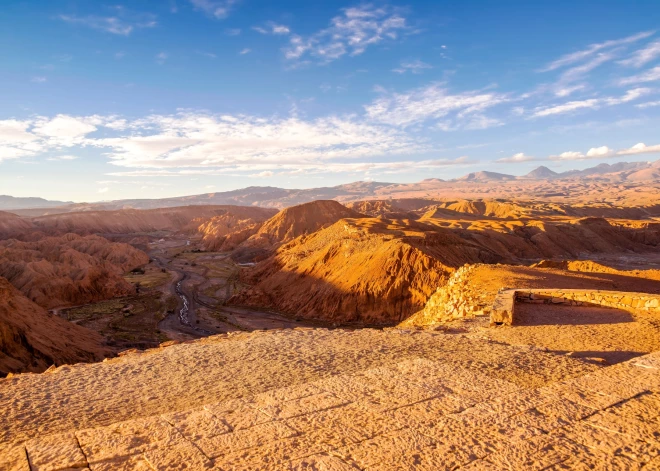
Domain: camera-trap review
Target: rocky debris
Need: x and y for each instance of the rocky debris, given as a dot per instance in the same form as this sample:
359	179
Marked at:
458	299
33	340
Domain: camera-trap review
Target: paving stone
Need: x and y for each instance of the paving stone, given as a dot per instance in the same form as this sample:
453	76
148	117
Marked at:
55	452
125	463
237	414
183	455
593	399
197	424
474	442
597	462
408	450
639	451
634	428
343	426
537	453
271	455
13	458
127	438
480	465
245	438
379	393
302	405
650	361
426	414
320	463
645	407
277	396
588	435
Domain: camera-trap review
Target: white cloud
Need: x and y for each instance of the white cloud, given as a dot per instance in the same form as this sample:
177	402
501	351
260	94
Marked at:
592	103
416	67
104	189
644	55
38	79
564	91
431	102
244	51
123	22
651	75
62	158
349	33
593	49
272	28
640	148
598	152
208	141
517	158
264	174
218	9
569	155
630	95
648	104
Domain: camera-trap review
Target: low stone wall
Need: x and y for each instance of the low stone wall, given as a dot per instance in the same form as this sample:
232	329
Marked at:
503	308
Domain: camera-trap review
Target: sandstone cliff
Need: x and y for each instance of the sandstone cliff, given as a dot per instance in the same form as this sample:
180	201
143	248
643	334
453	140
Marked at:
32	340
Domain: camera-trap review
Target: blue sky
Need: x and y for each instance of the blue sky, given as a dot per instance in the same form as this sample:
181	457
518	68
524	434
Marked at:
147	99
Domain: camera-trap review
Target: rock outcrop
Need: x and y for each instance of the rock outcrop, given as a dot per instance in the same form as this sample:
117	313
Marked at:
69	270
32	340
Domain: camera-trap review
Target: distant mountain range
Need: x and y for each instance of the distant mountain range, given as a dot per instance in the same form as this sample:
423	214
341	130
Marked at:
630	172
11	202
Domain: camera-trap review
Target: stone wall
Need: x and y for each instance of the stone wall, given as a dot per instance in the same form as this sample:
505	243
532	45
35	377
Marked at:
503	308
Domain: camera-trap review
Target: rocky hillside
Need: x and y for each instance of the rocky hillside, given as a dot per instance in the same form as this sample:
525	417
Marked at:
70	269
363	270
291	223
228	230
32	340
12	225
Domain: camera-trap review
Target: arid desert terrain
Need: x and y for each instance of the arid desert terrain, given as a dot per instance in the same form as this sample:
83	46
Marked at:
489	322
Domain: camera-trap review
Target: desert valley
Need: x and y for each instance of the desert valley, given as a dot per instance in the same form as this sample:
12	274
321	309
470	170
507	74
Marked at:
337	333
389	235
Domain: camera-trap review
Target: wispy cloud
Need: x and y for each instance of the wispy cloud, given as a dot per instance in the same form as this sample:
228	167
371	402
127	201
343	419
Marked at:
650	75
60	158
233	31
432	103
123	22
38	79
416	67
648	104
351	33
591	103
642	56
244	51
593	49
218	9
272	28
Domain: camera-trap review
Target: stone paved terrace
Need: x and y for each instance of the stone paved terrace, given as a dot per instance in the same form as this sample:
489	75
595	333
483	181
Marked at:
416	414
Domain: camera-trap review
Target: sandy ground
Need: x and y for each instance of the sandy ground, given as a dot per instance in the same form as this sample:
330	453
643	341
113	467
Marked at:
219	368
